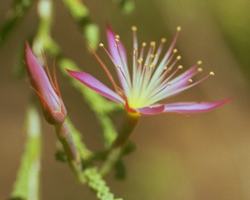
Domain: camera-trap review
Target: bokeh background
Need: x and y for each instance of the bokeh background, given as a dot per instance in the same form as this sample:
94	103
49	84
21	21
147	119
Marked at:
206	156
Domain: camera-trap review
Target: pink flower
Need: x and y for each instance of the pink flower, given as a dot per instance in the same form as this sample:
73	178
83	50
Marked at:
46	89
151	78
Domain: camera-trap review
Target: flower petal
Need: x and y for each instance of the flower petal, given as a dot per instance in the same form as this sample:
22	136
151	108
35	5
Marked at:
116	49
152	110
40	80
193	107
119	56
96	85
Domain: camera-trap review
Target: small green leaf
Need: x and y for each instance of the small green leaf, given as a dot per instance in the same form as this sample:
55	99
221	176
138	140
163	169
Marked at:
27	183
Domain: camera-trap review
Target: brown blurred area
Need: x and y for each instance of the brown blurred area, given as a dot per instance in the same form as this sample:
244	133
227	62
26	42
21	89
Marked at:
205	156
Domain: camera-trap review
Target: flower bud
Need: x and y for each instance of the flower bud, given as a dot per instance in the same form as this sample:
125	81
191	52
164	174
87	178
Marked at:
46	88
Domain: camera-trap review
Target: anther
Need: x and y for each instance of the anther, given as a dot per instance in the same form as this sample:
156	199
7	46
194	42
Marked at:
211	73
199	62
190	80
199	69
140	60
180	67
117	37
178	57
144	44
152	43
134	28
175	50
178	28
163	40
101	45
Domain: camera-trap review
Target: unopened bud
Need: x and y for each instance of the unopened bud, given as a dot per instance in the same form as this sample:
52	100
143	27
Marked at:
46	89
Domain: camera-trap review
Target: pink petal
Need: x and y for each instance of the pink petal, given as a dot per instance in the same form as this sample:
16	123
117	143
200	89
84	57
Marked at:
152	110
193	107
119	56
40	80
96	85
117	51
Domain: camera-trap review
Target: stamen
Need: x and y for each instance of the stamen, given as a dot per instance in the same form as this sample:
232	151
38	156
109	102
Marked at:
199	62
134	28
109	75
178	57
117	37
190	80
152	43
170	76
152	65
140	60
158	52
200	69
178	28
180	67
107	52
175	50
211	73
135	53
163	40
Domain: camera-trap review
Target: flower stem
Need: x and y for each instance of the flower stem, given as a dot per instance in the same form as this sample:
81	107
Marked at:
116	149
69	147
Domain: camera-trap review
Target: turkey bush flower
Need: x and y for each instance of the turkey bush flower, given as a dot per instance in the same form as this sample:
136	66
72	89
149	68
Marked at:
153	76
46	88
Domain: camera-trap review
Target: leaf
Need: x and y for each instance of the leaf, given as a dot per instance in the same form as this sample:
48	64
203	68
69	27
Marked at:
27	182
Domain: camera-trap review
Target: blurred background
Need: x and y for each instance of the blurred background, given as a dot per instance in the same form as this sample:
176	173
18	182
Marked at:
205	156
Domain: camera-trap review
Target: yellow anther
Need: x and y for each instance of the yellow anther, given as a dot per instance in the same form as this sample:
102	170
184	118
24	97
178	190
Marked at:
178	28
190	80
199	62
200	69
178	57
211	73
140	60
175	50
152	43
117	37
134	28
144	44
163	40
180	67
101	45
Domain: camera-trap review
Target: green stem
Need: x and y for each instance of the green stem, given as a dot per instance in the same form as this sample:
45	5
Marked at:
97	184
127	6
80	14
69	147
117	147
43	41
98	104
